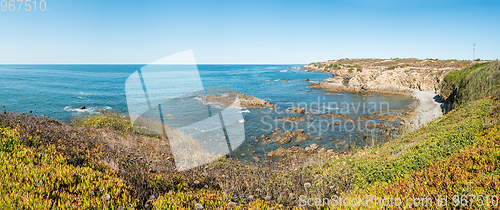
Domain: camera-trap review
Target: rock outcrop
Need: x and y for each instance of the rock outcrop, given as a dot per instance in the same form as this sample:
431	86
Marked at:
386	76
292	119
245	100
300	110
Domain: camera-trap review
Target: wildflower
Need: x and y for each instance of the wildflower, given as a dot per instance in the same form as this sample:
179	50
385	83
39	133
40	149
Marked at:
198	206
101	189
196	182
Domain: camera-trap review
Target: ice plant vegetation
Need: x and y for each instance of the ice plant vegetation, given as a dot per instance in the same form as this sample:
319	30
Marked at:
100	163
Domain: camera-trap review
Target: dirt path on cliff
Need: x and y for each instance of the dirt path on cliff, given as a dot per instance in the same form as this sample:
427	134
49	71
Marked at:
428	108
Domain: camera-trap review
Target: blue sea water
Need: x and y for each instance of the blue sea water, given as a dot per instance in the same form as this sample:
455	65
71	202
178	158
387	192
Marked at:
57	91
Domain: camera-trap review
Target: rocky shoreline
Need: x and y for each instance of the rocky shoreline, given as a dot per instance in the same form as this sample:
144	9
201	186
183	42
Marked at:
393	76
419	79
390	122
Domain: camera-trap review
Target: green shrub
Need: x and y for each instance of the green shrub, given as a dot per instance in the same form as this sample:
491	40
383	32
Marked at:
350	70
435	141
391	67
473	171
359	69
42	179
472	83
114	122
9	141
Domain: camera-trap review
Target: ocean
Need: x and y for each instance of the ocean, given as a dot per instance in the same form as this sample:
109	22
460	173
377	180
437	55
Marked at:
57	91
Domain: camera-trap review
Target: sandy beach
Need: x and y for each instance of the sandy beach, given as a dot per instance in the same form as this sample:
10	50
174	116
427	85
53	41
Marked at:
428	108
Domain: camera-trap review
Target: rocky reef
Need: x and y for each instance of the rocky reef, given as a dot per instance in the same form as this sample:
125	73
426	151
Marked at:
245	100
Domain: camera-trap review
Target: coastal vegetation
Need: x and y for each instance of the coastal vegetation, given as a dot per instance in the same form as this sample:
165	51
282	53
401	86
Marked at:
389	64
471	83
100	162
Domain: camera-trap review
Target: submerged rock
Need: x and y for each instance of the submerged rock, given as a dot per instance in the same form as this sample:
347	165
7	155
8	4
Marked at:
300	110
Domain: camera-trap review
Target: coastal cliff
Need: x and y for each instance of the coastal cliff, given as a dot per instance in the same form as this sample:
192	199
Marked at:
384	75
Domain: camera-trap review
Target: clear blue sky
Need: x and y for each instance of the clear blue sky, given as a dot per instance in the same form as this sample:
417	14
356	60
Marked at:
91	31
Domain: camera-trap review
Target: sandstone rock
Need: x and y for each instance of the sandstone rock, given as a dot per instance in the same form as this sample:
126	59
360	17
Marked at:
288	133
244	100
300	110
283	139
280	152
376	76
300	135
311	147
292	119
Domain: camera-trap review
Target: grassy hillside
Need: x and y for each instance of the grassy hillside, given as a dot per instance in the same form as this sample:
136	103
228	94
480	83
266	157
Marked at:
457	154
472	83
99	162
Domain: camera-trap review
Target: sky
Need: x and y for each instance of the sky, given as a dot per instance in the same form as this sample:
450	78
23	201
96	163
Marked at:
274	32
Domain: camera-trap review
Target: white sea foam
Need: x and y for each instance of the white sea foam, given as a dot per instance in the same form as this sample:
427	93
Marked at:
283	70
91	110
331	108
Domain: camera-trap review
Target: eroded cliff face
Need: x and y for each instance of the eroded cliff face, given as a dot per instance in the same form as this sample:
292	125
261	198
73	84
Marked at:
387	76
